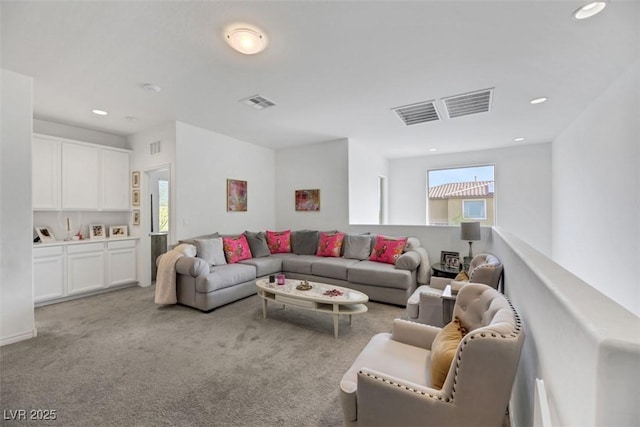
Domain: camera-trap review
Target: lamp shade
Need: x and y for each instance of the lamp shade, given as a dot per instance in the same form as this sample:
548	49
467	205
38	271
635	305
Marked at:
470	231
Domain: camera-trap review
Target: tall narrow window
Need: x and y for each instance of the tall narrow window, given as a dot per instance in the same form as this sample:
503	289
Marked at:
461	194
163	205
382	217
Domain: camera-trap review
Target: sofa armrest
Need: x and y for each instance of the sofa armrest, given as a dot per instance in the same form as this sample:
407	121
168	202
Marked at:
439	282
412	333
377	392
408	261
192	266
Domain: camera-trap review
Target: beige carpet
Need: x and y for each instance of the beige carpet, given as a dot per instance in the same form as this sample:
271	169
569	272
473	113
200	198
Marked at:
118	359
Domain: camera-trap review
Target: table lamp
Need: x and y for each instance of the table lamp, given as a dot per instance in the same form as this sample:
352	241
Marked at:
470	231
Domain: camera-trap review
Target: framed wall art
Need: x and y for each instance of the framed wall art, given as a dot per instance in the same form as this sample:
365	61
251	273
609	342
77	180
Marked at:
308	200
135	179
96	231
45	234
136	217
135	197
118	231
236	195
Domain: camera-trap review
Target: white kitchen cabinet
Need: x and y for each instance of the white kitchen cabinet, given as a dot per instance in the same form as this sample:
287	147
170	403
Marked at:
80	177
115	180
46	161
48	273
121	262
85	267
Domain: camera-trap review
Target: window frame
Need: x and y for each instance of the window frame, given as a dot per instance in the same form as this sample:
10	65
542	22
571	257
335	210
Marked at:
484	209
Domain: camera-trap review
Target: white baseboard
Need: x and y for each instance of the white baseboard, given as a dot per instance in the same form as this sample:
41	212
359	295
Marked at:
19	337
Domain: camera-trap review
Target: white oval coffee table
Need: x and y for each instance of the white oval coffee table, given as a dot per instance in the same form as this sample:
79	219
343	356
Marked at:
350	302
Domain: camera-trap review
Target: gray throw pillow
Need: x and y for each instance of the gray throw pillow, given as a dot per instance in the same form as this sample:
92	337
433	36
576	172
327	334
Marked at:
257	244
357	246
408	261
192	240
211	250
304	242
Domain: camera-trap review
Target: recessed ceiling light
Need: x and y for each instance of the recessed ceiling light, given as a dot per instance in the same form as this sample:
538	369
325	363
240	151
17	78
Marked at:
131	118
245	38
151	87
588	10
99	112
519	139
538	100
433	149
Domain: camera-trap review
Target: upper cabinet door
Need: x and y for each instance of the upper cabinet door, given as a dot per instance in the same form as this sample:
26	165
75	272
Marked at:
80	177
115	180
46	173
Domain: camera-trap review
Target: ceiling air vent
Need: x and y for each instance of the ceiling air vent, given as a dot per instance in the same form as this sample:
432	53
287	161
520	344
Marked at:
420	112
258	102
468	103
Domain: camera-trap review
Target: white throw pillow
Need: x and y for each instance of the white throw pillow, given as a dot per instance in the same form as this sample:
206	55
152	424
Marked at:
186	249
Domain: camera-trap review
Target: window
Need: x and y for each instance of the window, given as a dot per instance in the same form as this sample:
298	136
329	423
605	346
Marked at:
163	205
461	194
474	209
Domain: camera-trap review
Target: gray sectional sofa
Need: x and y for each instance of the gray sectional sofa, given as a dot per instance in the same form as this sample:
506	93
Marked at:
205	284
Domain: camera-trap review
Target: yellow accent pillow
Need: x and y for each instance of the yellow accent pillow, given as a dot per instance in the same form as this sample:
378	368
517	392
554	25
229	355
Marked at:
443	350
462	277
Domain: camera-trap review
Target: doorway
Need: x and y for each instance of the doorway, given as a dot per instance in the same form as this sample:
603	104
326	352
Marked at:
159	220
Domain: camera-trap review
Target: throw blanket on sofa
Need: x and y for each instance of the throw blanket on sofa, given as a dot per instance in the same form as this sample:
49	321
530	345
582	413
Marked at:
424	269
166	278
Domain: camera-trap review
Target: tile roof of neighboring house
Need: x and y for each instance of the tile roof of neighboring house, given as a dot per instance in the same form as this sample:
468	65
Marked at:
457	190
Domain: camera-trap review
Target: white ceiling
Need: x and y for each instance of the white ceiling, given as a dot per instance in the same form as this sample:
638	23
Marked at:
335	69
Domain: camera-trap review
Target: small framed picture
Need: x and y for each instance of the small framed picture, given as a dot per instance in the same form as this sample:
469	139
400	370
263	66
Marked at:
307	200
236	195
96	231
135	197
135	179
118	231
450	259
45	234
136	217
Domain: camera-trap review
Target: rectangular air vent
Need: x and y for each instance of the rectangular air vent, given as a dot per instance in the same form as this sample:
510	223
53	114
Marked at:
258	102
420	112
468	103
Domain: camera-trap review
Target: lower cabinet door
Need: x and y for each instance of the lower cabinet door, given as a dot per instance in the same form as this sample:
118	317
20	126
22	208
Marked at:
48	273
85	267
121	263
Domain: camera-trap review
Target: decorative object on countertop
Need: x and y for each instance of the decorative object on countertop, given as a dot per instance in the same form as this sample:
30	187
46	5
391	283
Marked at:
45	234
96	231
304	286
118	231
333	293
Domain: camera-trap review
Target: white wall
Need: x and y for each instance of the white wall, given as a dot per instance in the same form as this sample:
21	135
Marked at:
582	344
522	182
365	168
142	160
323	166
16	227
205	160
596	193
79	134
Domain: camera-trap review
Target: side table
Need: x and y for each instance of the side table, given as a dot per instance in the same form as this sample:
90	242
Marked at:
441	270
448	301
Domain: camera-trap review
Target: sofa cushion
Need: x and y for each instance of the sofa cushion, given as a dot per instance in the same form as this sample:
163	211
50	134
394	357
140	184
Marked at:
304	242
330	245
279	241
387	249
236	248
357	246
224	276
191	240
210	250
443	350
298	263
380	274
257	244
336	268
265	265
186	249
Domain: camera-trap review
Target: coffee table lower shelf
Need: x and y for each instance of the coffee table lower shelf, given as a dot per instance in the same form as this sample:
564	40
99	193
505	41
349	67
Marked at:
337	309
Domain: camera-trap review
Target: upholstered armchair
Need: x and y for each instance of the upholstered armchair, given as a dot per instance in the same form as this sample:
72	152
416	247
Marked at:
425	304
393	382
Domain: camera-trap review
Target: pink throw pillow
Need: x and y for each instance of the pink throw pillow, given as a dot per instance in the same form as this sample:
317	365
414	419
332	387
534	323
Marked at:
387	250
330	245
279	241
236	249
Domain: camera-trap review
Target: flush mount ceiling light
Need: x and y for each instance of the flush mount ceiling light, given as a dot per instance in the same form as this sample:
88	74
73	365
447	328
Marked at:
588	10
245	38
538	100
99	112
151	87
518	139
